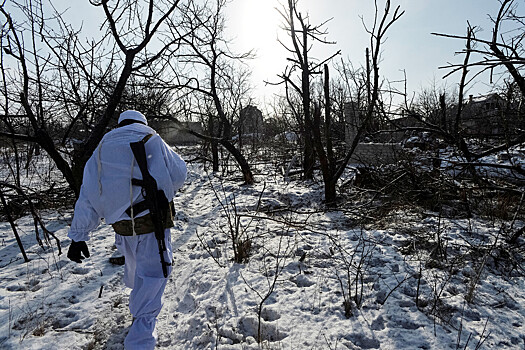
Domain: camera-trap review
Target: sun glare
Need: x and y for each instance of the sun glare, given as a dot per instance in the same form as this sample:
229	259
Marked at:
257	25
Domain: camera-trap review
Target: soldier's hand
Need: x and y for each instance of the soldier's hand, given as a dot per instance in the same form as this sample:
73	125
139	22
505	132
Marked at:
76	249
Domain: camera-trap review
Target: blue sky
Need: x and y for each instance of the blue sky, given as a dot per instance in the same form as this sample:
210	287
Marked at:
255	24
409	46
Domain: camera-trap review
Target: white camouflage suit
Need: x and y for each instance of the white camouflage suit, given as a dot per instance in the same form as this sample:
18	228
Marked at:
107	192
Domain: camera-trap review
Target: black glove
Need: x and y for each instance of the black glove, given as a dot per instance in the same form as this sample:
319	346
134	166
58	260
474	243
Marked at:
75	251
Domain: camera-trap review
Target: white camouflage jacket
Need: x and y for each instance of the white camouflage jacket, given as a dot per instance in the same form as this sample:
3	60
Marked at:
106	190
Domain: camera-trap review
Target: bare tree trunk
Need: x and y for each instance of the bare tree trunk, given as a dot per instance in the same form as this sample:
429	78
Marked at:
326	158
13	226
462	82
329	185
309	151
241	160
82	155
443	111
328	120
245	167
215	155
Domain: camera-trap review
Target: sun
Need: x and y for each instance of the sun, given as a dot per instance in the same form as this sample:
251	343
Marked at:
255	25
256	21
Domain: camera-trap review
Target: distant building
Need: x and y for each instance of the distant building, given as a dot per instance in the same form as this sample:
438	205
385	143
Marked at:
370	152
484	115
177	134
250	121
352	122
481	116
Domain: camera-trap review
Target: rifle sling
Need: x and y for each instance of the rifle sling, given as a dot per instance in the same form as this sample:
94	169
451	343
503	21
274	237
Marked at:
142	206
138	208
143	224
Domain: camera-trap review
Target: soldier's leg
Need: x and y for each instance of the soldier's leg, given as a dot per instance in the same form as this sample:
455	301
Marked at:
145	300
127	246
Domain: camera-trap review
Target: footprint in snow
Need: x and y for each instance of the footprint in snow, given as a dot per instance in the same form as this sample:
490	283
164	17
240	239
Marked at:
378	324
64	319
58	265
17	288
302	281
80	271
33	285
363	341
406	303
270	315
248	326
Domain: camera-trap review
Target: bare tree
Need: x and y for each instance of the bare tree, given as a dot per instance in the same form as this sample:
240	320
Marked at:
503	49
32	68
503	52
60	80
331	169
302	34
215	75
432	103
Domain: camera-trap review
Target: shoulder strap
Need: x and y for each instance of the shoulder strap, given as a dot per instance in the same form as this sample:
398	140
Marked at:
146	138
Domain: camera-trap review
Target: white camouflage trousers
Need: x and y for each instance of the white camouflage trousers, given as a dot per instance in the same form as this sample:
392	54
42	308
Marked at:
143	274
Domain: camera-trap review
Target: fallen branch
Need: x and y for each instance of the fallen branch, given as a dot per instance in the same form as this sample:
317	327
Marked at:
37	221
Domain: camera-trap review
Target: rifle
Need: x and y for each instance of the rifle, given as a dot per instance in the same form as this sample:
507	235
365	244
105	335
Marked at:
155	199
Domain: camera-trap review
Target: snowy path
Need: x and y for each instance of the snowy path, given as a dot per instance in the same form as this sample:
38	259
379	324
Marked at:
52	303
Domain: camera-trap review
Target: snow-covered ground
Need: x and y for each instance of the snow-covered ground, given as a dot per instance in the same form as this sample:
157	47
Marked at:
402	290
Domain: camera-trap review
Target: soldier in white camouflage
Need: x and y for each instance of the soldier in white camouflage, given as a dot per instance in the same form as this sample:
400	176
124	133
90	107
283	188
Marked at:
108	193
